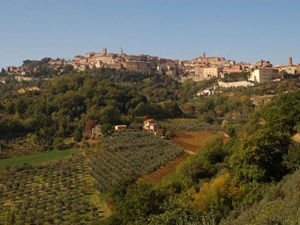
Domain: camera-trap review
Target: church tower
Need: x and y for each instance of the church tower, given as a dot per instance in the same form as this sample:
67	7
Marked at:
290	61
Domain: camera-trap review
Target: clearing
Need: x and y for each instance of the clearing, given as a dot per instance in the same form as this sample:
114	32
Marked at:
36	159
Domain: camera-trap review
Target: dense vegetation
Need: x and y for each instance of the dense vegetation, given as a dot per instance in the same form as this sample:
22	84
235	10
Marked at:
231	182
63	105
279	205
66	103
129	155
227	182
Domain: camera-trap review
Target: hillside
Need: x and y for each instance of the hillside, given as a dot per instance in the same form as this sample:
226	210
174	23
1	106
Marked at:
280	205
249	179
46	146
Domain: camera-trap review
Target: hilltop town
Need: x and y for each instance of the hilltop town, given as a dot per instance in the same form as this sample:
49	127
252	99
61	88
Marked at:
200	68
74	134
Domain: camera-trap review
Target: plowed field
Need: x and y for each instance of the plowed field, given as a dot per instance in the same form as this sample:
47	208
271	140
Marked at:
192	141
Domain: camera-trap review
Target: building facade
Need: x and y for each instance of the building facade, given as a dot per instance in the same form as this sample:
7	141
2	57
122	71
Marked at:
263	75
210	72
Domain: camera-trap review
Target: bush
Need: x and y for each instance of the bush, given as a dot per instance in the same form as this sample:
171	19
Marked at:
58	143
106	129
205	164
292	158
77	135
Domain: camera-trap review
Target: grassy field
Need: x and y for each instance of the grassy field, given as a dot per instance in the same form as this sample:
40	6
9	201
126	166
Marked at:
36	159
192	141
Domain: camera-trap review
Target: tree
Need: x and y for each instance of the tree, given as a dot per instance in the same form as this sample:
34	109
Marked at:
204	164
138	203
292	158
106	128
58	143
261	157
77	135
110	114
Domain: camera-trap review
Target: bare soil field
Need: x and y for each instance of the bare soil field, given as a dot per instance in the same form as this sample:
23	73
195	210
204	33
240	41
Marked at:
192	141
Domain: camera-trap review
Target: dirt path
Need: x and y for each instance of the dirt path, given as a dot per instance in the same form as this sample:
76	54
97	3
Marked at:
96	198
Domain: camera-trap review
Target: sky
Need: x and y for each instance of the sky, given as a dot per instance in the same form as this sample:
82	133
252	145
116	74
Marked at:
242	30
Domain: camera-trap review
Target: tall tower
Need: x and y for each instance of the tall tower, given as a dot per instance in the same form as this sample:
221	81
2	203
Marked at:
203	54
104	51
290	61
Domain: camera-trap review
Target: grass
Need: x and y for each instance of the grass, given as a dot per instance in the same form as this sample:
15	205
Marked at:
36	159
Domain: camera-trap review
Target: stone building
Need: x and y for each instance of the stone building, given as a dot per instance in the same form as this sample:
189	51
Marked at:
210	72
263	75
136	66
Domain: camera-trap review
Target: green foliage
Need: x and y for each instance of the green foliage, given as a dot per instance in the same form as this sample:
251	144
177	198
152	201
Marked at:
106	129
261	157
129	155
280	205
292	158
77	135
10	217
281	114
56	193
232	77
259	151
205	164
187	125
138	203
10	127
104	95
297	128
175	213
59	143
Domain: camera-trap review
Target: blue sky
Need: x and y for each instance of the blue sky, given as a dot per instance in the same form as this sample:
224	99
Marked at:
243	30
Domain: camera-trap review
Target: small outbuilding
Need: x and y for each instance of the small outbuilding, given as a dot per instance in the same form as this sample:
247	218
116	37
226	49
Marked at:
120	128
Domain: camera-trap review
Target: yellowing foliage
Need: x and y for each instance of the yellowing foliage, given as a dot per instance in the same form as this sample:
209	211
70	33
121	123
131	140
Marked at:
222	190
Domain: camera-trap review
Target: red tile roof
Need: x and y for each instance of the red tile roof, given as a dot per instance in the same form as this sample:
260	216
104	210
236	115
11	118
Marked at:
149	120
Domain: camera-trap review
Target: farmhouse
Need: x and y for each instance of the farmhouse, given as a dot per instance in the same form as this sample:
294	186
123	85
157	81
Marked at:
4	80
209	91
120	128
151	125
96	131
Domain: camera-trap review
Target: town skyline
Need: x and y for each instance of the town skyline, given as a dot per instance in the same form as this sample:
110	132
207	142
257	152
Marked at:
242	31
200	68
122	51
